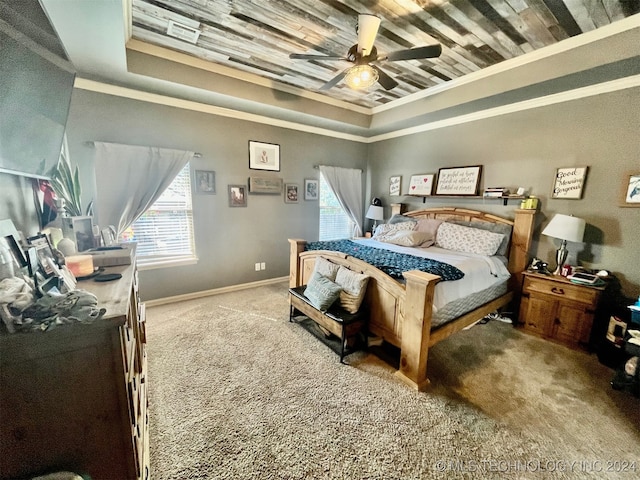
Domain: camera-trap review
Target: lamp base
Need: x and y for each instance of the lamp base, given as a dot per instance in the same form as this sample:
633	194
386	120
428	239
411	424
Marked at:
561	257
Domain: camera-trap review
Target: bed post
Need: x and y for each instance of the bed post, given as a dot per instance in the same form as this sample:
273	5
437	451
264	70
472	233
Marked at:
416	328
520	243
296	246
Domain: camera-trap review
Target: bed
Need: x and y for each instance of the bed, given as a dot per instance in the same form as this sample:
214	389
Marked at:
401	312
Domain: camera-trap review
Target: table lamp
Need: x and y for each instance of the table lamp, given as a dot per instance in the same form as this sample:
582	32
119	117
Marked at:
568	229
375	212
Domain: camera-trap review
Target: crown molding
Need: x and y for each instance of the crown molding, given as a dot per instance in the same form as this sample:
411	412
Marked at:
568	96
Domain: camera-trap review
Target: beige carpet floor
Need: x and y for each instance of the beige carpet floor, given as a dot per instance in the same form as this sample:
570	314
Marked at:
238	392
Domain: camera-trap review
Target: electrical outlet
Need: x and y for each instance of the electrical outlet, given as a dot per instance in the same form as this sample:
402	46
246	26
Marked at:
257	267
263	266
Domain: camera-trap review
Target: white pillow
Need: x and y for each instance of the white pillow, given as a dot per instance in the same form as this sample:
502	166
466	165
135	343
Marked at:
467	239
354	286
409	239
325	268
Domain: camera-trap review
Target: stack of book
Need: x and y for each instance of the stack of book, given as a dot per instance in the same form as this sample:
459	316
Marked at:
496	192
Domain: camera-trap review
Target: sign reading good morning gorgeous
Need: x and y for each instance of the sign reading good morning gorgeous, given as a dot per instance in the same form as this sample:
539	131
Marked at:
421	184
569	182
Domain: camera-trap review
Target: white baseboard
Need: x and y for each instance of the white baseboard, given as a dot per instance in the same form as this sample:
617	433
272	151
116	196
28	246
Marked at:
214	291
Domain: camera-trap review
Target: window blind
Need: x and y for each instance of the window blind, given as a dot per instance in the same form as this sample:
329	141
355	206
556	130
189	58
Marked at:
334	222
164	233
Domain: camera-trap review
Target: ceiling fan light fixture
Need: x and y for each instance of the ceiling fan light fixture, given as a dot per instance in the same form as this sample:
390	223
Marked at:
361	76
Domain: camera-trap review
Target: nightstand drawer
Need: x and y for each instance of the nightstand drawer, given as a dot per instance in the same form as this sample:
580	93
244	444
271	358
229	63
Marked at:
569	291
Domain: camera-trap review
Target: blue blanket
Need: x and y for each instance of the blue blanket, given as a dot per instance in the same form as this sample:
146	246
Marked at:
391	263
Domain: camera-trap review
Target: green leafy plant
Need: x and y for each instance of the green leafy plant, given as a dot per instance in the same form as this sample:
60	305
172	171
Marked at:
66	185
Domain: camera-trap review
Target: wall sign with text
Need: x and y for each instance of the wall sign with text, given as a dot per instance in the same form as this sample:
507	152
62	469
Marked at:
569	182
458	180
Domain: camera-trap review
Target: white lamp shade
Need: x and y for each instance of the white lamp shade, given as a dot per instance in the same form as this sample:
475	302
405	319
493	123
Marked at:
565	227
375	212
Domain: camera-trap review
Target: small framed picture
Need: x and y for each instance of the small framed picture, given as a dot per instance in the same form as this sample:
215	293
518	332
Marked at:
264	156
290	193
46	259
310	189
569	183
631	190
206	182
394	185
237	195
421	185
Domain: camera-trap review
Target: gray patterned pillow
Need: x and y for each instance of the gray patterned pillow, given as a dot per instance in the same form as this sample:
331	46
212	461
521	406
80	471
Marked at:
322	292
354	286
467	239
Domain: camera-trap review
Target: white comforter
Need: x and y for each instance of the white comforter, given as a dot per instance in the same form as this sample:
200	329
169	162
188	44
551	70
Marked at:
480	271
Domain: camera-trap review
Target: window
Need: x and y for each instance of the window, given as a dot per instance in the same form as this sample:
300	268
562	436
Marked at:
334	223
164	232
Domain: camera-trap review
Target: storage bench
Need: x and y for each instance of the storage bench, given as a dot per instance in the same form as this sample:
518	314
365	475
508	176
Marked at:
339	322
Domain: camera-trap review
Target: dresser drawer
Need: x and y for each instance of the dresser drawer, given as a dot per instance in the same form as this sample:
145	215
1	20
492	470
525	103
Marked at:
567	291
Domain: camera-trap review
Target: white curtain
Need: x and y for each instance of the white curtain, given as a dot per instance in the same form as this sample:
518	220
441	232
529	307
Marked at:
346	184
129	179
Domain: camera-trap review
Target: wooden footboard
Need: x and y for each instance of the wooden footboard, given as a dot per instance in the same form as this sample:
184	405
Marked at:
401	314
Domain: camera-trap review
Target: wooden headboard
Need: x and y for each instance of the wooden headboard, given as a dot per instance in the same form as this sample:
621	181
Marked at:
522	224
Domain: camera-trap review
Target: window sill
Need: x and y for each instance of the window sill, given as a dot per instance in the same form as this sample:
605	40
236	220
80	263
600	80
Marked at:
166	263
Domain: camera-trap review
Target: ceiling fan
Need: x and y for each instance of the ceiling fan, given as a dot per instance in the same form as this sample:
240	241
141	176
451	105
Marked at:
364	56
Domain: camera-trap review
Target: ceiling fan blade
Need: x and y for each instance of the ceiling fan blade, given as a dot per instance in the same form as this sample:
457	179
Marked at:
385	80
367	30
334	81
304	56
430	51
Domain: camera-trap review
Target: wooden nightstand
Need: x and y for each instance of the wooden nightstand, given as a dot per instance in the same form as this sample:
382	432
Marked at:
554	308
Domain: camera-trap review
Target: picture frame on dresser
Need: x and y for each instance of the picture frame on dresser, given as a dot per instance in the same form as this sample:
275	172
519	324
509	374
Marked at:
46	259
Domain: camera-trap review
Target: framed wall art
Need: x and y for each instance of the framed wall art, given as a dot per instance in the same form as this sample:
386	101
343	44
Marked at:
421	184
631	190
459	180
291	193
264	156
394	185
267	185
237	195
310	189
206	182
569	183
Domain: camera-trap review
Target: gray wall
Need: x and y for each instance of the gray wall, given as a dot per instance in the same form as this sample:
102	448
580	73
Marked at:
524	149
229	241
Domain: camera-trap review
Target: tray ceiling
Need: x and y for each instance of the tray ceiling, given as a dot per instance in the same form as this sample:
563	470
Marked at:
256	37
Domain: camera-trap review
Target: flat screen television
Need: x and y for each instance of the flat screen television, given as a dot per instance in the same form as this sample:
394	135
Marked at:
35	94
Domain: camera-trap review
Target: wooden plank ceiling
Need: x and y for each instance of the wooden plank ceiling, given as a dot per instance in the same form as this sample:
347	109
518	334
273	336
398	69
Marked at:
257	36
